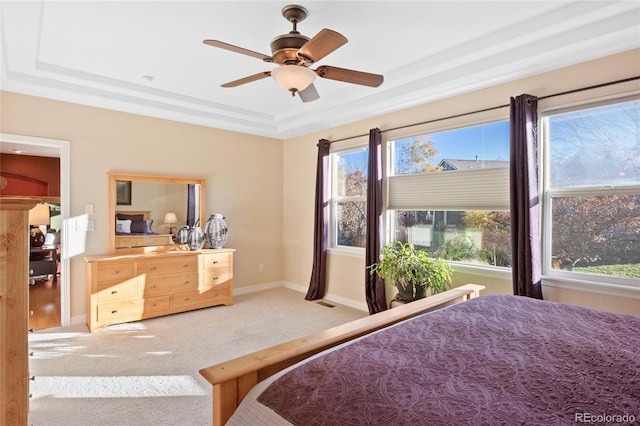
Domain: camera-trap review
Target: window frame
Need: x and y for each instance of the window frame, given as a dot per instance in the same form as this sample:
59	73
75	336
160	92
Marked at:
489	271
571	279
334	199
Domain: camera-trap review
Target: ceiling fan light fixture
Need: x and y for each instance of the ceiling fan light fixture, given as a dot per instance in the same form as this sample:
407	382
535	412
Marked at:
294	78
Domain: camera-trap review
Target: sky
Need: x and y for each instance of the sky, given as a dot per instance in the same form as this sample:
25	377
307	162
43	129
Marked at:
488	142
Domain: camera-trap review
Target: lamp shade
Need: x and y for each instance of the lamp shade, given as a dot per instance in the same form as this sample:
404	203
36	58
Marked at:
294	78
39	215
170	218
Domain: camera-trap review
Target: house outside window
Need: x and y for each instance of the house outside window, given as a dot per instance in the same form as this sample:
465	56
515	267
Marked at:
349	198
592	192
448	193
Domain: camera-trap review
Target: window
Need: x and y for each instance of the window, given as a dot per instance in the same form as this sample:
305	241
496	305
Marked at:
449	194
349	197
592	192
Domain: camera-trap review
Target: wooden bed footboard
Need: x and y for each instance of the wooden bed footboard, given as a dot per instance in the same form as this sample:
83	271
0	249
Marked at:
233	379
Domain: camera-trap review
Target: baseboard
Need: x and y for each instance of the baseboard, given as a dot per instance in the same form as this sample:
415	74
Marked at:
78	319
302	289
258	287
331	297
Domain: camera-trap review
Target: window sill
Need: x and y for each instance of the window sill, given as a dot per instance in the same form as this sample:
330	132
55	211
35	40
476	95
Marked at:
347	251
621	290
483	271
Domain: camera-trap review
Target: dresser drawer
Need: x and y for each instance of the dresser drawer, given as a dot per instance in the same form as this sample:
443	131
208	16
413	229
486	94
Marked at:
110	271
167	265
155	284
214	277
117	290
216	260
124	311
188	298
156	305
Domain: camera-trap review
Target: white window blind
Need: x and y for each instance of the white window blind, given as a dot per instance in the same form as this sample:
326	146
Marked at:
478	189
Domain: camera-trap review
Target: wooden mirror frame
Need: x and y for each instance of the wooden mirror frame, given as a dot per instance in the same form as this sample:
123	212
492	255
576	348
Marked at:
113	177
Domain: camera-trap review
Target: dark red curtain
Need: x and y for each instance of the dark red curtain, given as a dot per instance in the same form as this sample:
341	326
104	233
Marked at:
375	291
317	285
525	199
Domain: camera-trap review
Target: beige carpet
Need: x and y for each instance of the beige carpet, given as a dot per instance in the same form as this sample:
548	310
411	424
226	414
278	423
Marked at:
146	372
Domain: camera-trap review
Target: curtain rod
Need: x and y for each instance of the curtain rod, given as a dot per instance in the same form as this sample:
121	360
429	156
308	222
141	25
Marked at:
582	89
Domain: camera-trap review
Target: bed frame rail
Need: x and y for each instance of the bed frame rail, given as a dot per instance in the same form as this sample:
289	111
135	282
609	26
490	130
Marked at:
233	379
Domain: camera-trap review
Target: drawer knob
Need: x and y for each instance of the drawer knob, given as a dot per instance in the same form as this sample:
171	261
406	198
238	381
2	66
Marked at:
215	278
114	291
187	282
186	265
187	299
31	330
215	261
154	305
115	311
153	268
154	286
116	272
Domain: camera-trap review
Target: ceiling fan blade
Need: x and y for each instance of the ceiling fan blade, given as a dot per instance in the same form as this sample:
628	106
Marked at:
248	79
309	94
231	47
350	76
323	43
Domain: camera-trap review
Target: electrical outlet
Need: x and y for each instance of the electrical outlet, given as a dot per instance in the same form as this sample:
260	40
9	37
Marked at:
260	268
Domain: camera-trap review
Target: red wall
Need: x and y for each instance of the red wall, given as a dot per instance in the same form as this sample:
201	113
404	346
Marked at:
26	174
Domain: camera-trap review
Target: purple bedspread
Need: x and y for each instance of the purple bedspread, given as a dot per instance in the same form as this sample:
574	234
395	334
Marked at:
503	360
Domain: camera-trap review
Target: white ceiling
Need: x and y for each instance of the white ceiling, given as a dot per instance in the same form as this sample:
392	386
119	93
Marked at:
97	52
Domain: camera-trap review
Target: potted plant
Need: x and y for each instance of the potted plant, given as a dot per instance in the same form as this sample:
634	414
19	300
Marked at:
412	271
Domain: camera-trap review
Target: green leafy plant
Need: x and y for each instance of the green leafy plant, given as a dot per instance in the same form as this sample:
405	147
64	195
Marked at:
412	270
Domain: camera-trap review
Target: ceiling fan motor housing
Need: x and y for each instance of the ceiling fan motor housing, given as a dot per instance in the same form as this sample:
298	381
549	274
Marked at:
284	48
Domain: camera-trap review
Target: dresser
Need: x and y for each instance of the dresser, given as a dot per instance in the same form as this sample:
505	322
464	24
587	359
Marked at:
124	288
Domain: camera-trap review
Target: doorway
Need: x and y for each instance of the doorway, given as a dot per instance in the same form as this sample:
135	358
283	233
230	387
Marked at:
14	144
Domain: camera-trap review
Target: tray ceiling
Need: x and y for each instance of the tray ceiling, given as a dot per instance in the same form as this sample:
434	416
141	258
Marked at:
147	57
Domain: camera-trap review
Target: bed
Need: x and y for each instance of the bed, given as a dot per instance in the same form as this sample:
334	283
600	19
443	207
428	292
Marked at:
495	359
135	229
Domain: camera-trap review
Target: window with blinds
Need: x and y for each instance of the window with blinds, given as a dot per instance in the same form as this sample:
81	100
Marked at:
448	193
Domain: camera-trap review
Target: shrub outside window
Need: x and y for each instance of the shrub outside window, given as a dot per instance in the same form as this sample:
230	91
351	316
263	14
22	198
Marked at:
592	192
449	194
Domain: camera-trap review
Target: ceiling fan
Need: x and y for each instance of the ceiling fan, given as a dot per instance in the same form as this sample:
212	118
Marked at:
294	53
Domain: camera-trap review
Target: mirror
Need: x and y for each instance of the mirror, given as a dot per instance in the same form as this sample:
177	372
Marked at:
135	200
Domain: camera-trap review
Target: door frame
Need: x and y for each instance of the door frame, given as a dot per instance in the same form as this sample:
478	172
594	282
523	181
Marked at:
64	151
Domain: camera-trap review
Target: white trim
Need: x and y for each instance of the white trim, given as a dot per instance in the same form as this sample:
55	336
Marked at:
361	306
592	287
482	270
358	252
64	148
78	319
237	291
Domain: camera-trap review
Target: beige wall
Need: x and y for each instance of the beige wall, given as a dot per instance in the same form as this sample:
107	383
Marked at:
103	141
346	273
272	223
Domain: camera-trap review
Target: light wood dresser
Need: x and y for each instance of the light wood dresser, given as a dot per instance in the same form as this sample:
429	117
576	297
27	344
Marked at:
125	288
